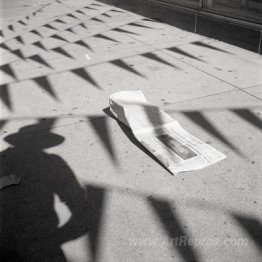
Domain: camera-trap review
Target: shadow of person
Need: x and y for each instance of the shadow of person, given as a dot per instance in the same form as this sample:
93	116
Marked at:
29	225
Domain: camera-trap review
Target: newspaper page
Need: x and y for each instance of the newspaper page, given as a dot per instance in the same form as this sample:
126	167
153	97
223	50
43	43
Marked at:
162	135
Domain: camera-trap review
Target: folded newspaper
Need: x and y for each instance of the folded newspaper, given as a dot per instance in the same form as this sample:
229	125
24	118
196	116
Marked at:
162	135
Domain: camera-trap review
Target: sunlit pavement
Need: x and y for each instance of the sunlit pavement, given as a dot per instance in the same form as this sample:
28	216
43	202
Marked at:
88	192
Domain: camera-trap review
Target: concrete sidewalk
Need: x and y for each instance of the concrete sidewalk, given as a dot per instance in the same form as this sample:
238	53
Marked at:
88	192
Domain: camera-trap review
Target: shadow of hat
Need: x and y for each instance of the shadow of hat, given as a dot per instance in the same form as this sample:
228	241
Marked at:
34	136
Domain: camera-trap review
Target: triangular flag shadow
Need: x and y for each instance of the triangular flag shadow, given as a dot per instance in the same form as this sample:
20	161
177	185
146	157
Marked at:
80	12
139	25
36	33
120	63
96	205
8	70
44	83
199	119
107	15
97	19
58	37
157	58
19	39
82	43
4	46
124	31
70	30
252	227
61	51
83	25
5	96
2	123
100	125
116	11
22	22
39	60
73	16
249	116
50	27
39	44
90	8
18	53
174	228
11	27
181	52
85	75
198	43
106	38
60	21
